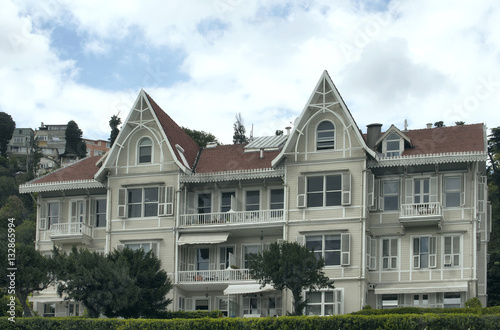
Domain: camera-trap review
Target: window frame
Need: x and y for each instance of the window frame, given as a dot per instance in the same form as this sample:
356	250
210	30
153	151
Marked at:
324	192
140	147
392	152
143	202
392	256
453	255
50	218
337	302
460	191
210	207
97	214
221	206
330	139
385	195
343	249
253	204
431	253
270	194
244	253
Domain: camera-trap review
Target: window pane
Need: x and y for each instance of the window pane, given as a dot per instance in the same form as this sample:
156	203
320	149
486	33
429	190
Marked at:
314	243
134	210
391	203
332	258
313	310
315	183
277	198
144	154
447	245
456	244
332	242
226	201
329	309
394	247
385	248
392	145
452	183
150	210
150	195
392	136
253	197
135	195
334	182
315	199
452	199
328	297
326	125
333	198
314	297
391	187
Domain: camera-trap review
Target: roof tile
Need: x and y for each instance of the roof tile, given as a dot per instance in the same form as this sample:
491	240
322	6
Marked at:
82	170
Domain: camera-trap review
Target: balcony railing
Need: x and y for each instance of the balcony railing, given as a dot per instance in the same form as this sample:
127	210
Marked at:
416	210
231	217
73	228
225	275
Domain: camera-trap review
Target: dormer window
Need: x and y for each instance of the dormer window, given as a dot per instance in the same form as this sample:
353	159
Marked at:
325	136
145	151
393	145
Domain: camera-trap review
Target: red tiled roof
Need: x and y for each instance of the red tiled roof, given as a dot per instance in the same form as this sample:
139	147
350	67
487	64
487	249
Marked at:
176	135
459	138
82	170
232	158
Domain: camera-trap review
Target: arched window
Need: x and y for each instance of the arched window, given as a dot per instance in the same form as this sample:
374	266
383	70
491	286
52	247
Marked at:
325	136
145	150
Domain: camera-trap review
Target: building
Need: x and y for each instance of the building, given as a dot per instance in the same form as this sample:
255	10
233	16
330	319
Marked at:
52	142
400	217
96	147
21	142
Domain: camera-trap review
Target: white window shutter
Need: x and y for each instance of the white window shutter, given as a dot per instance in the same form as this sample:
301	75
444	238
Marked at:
235	204
169	200
74	208
92	217
301	192
122	203
373	255
190	203
43	216
345	249
462	191
408	191
154	248
189	304
433	252
161	201
370	198
416	253
301	239
433	189
346	188
380	192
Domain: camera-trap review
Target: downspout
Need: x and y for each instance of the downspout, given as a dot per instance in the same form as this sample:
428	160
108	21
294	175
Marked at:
108	216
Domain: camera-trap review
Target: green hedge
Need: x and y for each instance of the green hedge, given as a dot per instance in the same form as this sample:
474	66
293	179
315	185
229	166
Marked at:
188	315
407	322
419	310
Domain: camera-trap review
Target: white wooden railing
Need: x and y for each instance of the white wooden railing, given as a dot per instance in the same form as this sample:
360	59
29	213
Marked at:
231	217
224	275
421	209
72	228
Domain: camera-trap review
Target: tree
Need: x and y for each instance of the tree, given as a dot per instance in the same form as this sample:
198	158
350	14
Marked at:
439	124
200	137
36	156
113	124
460	123
7	127
291	266
74	142
239	131
124	284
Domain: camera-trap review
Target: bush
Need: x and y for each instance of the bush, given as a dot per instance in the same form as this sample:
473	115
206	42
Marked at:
473	303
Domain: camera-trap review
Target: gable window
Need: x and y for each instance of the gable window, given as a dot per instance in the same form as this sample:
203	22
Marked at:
393	145
452	251
390	192
142	202
145	151
424	252
325	136
333	248
453	191
389	253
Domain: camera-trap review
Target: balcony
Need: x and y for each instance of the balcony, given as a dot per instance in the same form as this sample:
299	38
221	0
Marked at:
73	232
214	276
231	217
421	214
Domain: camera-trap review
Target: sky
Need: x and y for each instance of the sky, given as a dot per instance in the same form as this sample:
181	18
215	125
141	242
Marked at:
205	61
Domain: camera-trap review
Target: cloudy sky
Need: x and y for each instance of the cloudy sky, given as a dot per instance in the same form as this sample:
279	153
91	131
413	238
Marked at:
204	61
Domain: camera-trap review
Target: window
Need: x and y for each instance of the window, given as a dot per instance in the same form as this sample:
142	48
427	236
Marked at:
142	202
393	145
453	191
333	248
452	300
421	191
247	250
389	301
224	253
251	305
324	303
277	199
49	310
53	214
421	300
74	309
452	251
204	203
145	246
202	259
424	252
389	253
252	200
145	151
390	192
100	213
324	190
225	201
325	136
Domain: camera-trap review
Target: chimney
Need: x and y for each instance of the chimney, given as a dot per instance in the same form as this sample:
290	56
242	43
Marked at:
373	132
288	128
429	125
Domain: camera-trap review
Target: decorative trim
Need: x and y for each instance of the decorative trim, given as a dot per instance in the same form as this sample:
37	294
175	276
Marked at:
233	175
60	185
439	158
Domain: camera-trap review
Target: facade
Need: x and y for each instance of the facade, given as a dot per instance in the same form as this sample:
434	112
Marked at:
400	217
21	142
96	147
52	142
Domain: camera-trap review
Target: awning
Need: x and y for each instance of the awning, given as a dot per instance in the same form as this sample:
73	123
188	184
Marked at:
421	287
246	288
202	238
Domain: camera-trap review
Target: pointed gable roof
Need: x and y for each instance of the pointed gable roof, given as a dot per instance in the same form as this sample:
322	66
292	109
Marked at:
175	135
324	93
